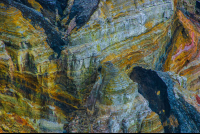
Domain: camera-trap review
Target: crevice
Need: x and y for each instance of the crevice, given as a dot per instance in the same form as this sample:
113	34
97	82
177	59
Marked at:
151	86
158	88
53	37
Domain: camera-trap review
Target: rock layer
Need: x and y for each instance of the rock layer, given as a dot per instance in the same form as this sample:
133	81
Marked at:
50	52
118	99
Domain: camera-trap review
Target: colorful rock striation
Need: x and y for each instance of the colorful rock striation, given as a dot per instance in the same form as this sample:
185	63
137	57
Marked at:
99	65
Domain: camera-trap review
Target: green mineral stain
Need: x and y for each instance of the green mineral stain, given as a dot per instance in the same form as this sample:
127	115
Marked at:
98	48
106	101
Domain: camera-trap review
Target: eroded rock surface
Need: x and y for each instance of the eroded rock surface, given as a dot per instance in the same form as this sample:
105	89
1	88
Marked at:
118	101
51	51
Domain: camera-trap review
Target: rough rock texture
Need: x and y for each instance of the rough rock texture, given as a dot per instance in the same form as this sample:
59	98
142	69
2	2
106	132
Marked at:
154	90
94	63
117	100
186	114
125	32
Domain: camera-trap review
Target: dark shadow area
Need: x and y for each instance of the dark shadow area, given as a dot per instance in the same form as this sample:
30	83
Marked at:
158	89
82	11
151	86
197	7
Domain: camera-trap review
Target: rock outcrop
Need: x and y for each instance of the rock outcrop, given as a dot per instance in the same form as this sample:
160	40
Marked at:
99	65
119	105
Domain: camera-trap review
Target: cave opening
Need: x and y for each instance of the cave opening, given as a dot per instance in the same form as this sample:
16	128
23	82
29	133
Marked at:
152	87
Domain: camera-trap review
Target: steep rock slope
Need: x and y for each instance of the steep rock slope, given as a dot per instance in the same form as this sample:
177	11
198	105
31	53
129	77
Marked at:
118	106
50	52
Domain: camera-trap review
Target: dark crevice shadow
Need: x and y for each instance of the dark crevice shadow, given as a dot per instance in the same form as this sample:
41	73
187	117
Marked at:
53	37
158	88
151	86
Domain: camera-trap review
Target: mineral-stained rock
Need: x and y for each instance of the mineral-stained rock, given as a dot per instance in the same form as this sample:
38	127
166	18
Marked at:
27	67
50	51
115	28
118	100
185	113
171	98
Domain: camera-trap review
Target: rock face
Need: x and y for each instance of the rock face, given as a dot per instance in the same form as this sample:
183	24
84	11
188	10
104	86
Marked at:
119	106
185	113
154	90
125	32
118	100
99	65
168	101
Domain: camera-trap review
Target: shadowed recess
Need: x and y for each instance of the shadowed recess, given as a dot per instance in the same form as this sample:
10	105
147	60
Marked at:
151	86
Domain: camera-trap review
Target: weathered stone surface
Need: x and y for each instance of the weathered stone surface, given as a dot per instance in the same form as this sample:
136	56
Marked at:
117	100
50	51
185	113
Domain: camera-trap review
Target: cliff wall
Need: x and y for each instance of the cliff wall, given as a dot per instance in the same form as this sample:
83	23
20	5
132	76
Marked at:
50	52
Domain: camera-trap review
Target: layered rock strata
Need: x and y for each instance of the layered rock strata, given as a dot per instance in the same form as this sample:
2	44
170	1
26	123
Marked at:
125	32
50	52
118	100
